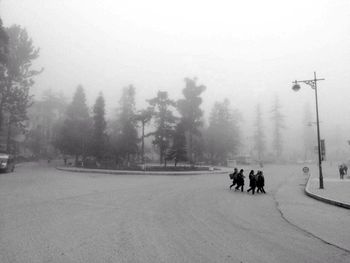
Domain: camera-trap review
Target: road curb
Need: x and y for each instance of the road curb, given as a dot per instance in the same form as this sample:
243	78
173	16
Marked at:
323	199
100	171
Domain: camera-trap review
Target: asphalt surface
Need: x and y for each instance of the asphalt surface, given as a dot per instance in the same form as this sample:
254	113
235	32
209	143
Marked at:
48	215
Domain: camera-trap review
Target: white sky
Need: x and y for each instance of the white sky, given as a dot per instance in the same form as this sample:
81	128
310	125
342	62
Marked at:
246	50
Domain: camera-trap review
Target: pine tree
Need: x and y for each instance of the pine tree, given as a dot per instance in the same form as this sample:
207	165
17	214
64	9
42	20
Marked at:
99	136
191	114
222	135
76	129
125	132
259	135
278	125
165	121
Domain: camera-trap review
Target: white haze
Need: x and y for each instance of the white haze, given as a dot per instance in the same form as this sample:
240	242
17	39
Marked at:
247	51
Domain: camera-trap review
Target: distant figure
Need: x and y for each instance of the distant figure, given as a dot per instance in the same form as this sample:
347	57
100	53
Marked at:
260	182
233	177
240	180
341	171
65	160
252	182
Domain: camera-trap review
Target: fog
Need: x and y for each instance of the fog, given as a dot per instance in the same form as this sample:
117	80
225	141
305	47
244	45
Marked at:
246	51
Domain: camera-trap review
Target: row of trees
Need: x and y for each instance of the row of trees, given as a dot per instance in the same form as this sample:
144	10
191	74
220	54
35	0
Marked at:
176	127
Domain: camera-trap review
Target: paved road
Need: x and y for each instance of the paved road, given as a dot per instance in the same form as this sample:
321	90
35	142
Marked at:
52	216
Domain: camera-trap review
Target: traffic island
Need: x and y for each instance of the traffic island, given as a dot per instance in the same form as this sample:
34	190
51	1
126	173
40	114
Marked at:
138	172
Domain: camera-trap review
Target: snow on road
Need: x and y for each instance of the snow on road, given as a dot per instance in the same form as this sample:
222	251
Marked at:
52	216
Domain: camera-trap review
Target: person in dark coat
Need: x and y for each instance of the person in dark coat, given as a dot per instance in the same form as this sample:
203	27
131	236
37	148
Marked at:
233	177
260	182
240	180
252	182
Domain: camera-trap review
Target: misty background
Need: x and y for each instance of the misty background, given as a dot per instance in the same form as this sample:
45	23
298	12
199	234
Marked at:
246	51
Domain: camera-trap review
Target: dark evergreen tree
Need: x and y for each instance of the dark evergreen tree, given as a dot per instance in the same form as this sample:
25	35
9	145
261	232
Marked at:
76	128
191	114
99	136
178	151
165	122
222	136
278	125
125	137
259	135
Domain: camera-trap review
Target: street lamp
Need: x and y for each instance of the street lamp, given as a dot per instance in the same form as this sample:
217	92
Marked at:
313	84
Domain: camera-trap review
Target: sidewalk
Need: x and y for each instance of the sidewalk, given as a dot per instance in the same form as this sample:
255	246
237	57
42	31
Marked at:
336	191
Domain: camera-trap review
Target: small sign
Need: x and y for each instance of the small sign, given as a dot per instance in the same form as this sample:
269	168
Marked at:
306	170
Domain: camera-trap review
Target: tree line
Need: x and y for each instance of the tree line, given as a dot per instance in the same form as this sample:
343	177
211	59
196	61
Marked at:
175	129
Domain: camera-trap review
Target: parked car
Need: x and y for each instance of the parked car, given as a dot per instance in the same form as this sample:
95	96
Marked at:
7	163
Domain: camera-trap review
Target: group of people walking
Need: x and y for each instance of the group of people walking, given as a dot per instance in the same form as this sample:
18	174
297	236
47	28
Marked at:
256	181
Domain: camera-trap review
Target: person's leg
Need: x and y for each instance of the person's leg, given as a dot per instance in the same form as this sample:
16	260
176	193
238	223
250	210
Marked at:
253	190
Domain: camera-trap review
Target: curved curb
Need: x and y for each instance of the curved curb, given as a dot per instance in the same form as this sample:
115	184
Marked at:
101	171
323	199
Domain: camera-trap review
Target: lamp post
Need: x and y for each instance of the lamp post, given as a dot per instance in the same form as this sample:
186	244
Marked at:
313	84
